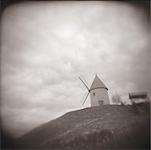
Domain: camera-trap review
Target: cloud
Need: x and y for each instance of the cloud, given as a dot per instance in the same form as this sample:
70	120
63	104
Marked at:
46	46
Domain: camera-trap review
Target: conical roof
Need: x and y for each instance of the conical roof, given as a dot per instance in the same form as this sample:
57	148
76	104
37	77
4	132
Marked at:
97	83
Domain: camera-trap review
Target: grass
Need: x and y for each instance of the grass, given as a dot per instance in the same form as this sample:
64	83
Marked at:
105	127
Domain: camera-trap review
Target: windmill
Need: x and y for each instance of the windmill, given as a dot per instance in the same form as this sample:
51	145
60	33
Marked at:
87	89
98	92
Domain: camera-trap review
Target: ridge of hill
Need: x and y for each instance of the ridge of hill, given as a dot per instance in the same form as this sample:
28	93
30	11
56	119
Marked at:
108	126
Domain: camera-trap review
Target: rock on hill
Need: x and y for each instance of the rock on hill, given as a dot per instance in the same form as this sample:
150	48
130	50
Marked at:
108	126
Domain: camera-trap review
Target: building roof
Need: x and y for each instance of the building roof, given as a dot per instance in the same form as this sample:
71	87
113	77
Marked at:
137	95
97	83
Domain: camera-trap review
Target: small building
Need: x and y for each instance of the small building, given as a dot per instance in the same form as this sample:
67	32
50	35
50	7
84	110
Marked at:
138	97
98	93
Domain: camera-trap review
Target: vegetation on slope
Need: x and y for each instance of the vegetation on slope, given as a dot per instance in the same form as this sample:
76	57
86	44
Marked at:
109	126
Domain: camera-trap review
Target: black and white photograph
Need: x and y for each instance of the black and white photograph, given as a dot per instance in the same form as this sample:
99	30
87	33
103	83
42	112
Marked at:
75	75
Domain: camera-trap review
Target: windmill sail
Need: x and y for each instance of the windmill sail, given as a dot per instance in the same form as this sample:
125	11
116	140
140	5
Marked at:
87	89
85	84
84	79
85	98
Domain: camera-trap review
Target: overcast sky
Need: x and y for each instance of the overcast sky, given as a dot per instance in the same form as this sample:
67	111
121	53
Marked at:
47	45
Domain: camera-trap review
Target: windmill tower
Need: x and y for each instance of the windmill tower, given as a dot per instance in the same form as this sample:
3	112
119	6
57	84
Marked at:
98	92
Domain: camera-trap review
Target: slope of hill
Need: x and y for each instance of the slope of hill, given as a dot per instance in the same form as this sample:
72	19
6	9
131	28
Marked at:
108	126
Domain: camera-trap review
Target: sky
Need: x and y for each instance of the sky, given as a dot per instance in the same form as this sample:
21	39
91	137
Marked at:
46	46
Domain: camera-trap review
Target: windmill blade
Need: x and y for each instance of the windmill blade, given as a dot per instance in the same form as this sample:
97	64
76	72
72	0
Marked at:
85	98
85	84
84	79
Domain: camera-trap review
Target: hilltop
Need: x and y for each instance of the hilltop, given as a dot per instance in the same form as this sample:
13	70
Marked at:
108	126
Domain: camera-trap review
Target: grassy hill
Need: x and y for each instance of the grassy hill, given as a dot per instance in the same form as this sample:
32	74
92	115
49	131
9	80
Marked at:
108	126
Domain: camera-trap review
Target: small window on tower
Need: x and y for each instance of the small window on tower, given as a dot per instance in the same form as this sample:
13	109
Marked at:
93	94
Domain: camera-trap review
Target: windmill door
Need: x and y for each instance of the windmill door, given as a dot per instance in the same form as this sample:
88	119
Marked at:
101	102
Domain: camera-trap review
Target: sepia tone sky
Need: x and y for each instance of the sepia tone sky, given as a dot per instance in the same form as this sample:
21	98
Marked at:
47	45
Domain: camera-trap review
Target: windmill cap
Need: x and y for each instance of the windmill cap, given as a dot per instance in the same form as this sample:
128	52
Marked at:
97	83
